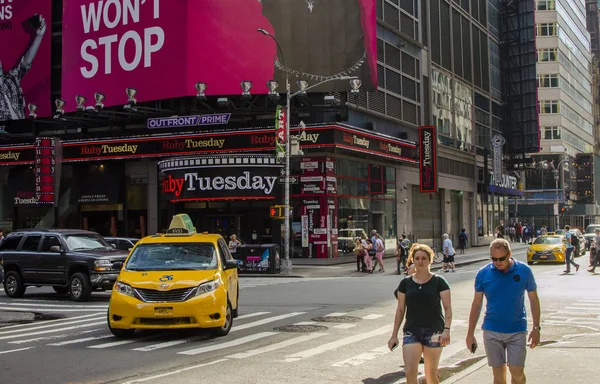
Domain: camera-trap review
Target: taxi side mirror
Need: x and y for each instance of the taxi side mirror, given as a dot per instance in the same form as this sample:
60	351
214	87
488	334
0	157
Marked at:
230	264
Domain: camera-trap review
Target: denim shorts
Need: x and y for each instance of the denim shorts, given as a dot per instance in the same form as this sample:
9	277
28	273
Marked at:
426	336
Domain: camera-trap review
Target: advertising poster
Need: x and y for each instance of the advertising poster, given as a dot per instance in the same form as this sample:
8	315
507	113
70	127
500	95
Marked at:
109	46
24	58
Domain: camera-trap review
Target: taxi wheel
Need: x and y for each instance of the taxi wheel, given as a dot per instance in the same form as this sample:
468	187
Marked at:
119	333
224	330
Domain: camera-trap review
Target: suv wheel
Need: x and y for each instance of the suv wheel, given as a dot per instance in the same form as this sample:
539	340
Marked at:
80	287
61	290
13	284
224	330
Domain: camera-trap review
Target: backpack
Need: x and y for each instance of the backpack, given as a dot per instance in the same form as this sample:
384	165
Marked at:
574	240
462	236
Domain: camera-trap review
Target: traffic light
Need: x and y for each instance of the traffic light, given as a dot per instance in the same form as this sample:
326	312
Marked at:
278	212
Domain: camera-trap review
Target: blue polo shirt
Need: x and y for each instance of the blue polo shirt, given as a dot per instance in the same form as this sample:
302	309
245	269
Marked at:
505	295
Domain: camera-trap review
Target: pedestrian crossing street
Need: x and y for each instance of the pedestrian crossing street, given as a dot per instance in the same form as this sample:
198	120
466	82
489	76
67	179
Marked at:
66	306
583	313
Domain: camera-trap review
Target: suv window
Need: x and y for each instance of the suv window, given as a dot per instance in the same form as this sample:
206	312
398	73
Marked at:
50	241
10	243
31	243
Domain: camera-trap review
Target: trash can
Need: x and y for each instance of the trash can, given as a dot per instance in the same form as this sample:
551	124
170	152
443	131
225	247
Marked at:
258	258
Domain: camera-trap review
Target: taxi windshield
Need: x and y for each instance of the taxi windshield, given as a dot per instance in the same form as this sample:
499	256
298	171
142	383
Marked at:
548	240
173	257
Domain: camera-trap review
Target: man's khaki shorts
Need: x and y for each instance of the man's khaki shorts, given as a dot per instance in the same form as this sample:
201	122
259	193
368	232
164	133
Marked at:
503	348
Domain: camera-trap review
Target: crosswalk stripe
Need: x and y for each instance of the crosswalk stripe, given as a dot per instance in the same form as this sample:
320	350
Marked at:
372	317
11	327
306	323
274	347
255	314
53	337
123	342
338	343
337	314
52	330
232	343
36	309
58	305
363	358
15	350
66	322
82	340
582	309
168	344
345	326
176	372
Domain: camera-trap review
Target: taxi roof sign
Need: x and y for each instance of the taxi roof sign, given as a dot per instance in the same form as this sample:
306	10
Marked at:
181	224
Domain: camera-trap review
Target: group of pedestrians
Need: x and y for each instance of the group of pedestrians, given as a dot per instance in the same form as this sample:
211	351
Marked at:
369	252
424	302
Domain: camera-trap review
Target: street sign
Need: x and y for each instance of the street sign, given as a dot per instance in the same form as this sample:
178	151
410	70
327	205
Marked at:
293	180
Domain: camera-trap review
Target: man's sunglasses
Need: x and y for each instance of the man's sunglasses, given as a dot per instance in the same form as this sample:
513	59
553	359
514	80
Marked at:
499	258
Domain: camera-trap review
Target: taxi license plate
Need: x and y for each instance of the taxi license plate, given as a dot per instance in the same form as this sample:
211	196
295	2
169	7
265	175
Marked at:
543	257
163	311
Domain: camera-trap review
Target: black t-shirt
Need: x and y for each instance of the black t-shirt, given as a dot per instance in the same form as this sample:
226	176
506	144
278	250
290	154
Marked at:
423	303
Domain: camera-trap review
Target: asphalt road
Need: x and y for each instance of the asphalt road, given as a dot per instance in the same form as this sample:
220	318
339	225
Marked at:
73	345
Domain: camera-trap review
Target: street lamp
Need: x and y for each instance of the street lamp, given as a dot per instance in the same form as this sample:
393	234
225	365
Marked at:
286	265
563	163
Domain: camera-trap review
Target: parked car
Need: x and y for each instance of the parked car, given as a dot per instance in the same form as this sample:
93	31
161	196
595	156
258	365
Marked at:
71	261
122	243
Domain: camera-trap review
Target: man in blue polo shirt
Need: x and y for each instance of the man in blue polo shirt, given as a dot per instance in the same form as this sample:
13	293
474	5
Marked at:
504	282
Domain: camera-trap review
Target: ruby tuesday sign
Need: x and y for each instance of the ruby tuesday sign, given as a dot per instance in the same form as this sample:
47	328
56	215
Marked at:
233	177
427	159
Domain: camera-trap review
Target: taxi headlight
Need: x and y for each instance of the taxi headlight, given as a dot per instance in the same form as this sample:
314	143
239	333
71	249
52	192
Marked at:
208	287
124	289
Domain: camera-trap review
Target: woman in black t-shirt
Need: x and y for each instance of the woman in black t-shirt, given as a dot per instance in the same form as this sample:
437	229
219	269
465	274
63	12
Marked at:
426	329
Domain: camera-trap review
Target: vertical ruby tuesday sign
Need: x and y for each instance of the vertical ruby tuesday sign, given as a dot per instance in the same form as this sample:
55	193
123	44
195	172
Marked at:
427	159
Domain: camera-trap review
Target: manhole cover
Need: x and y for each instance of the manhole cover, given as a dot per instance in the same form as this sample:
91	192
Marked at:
337	319
301	328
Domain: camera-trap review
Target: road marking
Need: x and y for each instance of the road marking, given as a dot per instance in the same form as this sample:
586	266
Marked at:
372	317
175	372
344	326
34	308
338	343
274	347
337	314
306	323
52	330
363	358
583	309
255	314
82	340
232	343
48	322
265	321
46	326
25	304
15	350
123	342
54	337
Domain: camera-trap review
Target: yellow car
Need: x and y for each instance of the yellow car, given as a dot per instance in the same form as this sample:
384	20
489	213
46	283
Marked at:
180	279
548	248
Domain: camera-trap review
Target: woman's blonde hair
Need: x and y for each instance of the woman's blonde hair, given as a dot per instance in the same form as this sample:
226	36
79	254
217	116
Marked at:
420	247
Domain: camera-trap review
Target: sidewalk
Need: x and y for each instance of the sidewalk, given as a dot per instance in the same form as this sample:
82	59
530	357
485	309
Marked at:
571	361
471	255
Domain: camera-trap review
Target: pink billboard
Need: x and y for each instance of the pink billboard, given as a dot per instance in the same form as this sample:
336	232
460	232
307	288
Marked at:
162	48
24	58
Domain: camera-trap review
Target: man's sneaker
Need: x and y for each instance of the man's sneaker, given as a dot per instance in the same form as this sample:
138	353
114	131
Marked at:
577	268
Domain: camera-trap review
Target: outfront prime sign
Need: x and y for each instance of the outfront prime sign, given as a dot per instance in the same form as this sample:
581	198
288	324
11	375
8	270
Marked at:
427	159
161	48
219	177
188	121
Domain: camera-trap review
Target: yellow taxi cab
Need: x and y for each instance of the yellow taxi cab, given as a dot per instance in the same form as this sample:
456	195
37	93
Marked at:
547	248
180	279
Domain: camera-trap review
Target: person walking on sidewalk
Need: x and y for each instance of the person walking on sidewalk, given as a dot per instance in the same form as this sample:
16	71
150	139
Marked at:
504	282
379	251
462	241
569	251
426	330
448	251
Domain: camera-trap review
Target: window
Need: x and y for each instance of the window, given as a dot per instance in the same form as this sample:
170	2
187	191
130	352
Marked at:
548	81
31	243
173	257
548	54
551	133
546	5
549	106
50	241
546	29
11	243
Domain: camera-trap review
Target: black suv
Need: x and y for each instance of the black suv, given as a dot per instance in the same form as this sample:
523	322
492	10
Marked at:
71	261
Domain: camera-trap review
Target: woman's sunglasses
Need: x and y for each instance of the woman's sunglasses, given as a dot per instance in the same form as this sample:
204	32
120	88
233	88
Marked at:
499	258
